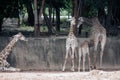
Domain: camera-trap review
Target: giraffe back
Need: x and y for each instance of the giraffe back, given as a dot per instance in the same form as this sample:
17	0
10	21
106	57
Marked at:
97	30
71	41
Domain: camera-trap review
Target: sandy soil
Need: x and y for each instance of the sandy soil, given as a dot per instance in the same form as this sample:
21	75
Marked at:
92	75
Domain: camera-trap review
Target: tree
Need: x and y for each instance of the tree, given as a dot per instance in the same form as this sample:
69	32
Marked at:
38	13
48	17
57	5
28	5
36	27
75	13
48	22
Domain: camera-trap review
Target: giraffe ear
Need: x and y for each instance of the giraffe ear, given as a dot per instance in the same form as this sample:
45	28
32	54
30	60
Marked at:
20	33
80	19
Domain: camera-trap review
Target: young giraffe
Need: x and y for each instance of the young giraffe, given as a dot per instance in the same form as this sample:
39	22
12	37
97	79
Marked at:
83	51
71	45
98	34
6	51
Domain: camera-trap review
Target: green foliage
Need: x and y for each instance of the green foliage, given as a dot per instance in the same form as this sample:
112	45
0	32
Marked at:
24	27
8	8
64	13
90	9
12	8
63	20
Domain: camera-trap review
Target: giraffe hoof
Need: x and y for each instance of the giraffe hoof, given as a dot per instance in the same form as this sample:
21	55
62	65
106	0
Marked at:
63	70
78	70
72	70
95	67
92	67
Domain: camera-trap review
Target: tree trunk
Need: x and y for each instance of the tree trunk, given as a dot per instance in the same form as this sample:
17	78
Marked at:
50	11
53	18
57	19
41	8
50	19
1	22
101	15
36	27
80	13
109	17
75	14
41	11
48	22
0	26
30	13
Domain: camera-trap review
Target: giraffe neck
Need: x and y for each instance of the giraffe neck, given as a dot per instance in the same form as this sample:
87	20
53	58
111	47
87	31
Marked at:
88	21
92	21
71	32
6	51
95	21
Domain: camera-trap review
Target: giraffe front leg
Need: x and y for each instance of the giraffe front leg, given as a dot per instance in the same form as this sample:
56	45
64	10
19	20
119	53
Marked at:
72	57
89	62
84	62
88	56
94	67
6	64
80	53
66	56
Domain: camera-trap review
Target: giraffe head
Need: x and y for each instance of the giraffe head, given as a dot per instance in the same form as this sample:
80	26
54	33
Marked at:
72	24
80	21
20	36
73	21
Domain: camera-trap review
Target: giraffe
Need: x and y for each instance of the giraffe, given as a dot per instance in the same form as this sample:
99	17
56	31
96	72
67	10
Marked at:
6	51
97	35
83	51
71	45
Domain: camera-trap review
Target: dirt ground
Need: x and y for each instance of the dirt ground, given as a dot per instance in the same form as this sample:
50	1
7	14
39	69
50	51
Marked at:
92	75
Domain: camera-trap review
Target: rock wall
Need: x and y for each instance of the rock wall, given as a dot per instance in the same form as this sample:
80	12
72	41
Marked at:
48	53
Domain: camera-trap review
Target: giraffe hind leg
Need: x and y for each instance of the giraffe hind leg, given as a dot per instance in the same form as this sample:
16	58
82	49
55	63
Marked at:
88	56
66	57
84	62
80	54
95	52
103	41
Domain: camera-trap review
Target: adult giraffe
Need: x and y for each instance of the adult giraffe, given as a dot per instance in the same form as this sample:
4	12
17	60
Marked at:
98	34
